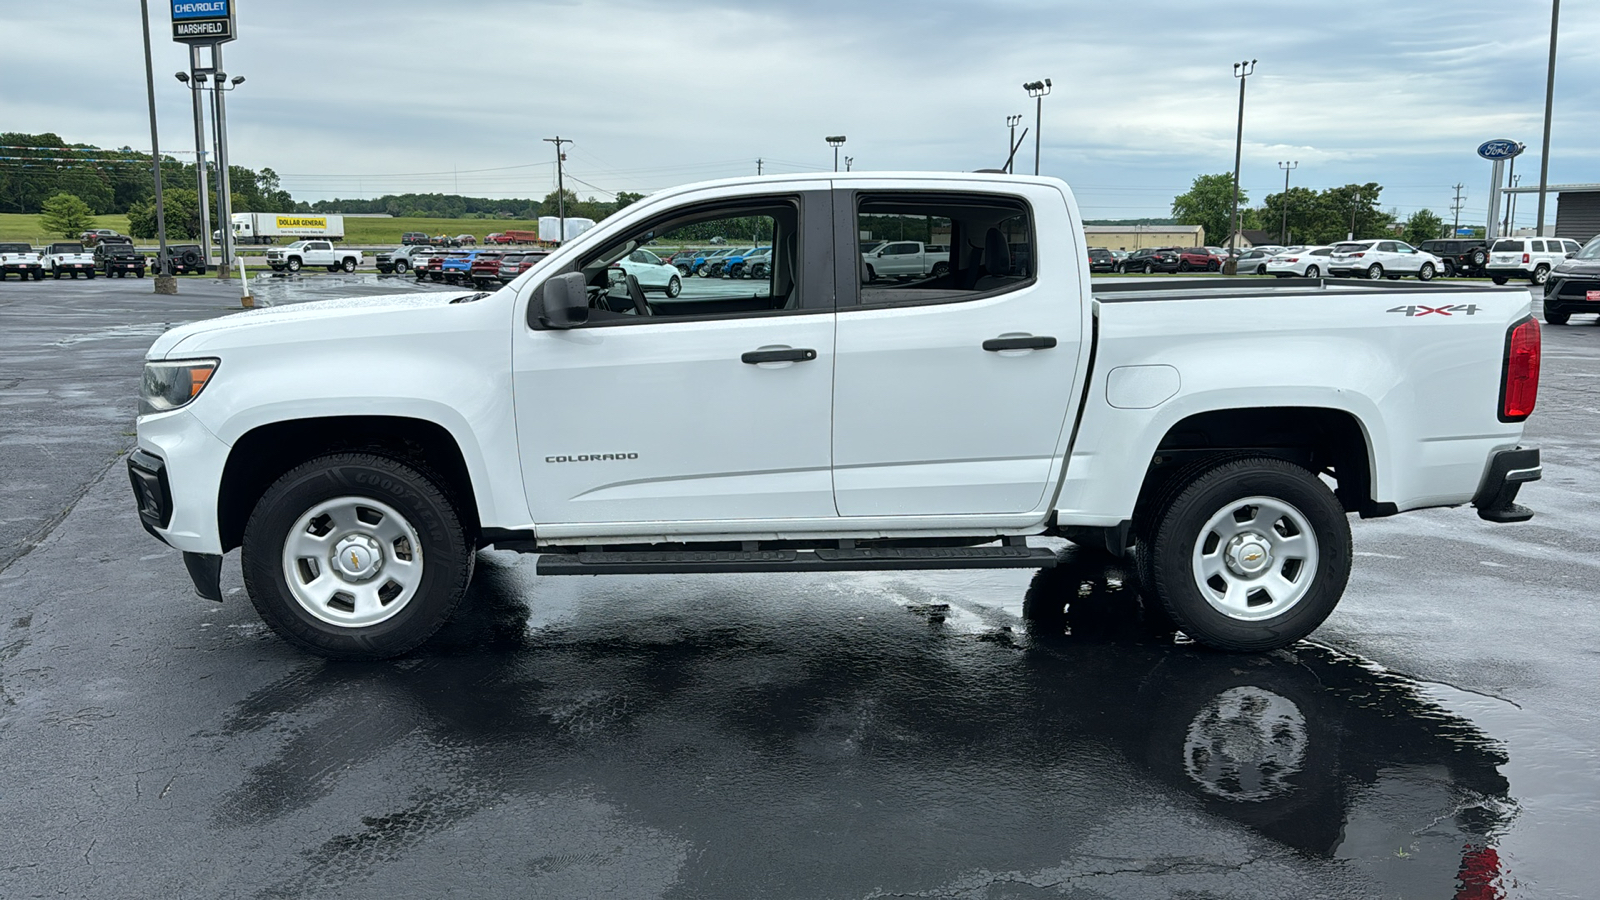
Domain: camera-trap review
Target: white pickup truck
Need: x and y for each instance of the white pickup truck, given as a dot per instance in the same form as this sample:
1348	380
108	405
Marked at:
68	258
21	260
904	259
1219	433
313	253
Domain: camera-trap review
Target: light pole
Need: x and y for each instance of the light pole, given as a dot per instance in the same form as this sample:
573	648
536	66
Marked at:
1287	167
164	282
1241	71
1511	208
220	86
1037	90
203	190
1549	94
835	141
1011	143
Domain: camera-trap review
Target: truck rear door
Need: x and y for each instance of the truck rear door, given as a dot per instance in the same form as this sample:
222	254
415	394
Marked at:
951	394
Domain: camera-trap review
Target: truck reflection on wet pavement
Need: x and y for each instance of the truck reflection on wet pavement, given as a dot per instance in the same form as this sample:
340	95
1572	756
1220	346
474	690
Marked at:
833	748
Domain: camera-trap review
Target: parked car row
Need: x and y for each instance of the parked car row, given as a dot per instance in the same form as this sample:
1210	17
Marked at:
477	268
721	262
109	258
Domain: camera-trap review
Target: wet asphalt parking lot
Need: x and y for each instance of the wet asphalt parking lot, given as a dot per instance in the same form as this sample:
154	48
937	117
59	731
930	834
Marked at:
850	735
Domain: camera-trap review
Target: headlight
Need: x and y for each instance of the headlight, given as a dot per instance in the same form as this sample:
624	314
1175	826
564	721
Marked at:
172	385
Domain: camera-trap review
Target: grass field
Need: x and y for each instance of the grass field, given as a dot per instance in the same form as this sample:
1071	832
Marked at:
359	231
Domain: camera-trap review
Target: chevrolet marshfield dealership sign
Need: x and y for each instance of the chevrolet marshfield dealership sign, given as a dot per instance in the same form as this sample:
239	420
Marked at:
202	21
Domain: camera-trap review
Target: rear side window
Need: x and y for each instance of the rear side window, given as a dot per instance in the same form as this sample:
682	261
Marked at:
1507	247
988	243
1538	246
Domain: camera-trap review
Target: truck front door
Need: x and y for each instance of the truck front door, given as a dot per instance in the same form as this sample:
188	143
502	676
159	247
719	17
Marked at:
951	395
710	405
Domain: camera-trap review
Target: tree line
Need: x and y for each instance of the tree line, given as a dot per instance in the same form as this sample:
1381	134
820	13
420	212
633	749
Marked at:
1313	217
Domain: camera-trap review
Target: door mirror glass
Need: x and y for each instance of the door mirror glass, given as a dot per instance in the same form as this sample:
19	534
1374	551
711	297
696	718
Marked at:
566	301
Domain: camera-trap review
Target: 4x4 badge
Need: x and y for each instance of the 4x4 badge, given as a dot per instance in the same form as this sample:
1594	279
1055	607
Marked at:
1465	309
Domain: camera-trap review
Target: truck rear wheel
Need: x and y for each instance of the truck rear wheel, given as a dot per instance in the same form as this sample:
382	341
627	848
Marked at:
349	264
1251	554
355	556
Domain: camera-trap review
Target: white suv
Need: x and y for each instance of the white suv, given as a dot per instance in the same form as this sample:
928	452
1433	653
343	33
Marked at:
1530	258
1383	259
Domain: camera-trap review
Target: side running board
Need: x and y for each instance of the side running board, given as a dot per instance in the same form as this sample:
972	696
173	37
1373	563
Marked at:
663	562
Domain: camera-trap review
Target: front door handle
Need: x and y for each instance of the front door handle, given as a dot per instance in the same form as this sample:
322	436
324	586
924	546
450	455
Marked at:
757	357
1027	342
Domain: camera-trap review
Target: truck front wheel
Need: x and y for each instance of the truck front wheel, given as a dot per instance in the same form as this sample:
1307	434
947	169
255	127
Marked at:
355	556
1252	555
294	263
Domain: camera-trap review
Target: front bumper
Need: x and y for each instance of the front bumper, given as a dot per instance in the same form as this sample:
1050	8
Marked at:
1508	471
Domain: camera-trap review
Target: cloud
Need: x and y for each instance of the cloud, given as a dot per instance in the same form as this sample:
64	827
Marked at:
362	98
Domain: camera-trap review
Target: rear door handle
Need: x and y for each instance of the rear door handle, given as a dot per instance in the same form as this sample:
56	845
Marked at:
757	357
1029	342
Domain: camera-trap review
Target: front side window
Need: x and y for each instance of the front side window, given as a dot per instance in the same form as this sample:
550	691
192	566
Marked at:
629	284
970	244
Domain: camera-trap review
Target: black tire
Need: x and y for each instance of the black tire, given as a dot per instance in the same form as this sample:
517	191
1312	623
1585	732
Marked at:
1213	266
1312	272
400	266
1425	273
674	287
141	273
940	270
56	274
1183	267
683	269
1181	523
294	264
872	274
446	547
1556	317
1261	269
1374	272
1498	279
1541	274
1479	258
1449	269
349	264
1149	268
703	271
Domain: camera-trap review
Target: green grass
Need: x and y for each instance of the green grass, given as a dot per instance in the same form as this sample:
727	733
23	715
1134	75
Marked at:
23	227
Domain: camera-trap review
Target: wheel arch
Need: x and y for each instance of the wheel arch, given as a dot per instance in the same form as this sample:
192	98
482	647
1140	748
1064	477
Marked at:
1325	440
266	452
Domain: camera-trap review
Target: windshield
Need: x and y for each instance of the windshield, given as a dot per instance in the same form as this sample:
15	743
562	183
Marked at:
1590	250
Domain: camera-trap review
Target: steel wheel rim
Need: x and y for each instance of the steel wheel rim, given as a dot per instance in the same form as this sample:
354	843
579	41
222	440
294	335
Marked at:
1255	559
377	572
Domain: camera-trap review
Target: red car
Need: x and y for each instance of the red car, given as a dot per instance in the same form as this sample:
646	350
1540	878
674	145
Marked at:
1197	259
485	268
497	237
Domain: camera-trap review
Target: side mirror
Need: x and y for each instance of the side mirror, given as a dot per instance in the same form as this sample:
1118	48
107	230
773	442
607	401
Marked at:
566	301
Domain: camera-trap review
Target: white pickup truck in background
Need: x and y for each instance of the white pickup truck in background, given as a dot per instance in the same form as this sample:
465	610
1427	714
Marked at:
1218	434
906	259
313	253
20	260
68	258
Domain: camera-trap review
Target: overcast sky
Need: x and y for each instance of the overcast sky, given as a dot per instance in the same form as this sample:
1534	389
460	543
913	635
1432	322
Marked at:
357	99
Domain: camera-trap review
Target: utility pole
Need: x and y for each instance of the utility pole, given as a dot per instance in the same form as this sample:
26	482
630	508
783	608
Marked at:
165	283
561	190
1241	71
758	166
1037	90
1511	208
1287	167
1549	96
1455	230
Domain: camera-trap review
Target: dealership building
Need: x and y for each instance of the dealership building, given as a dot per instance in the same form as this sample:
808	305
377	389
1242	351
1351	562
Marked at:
1138	237
1577	209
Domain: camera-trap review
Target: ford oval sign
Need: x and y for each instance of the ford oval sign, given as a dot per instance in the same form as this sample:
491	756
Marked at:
1500	149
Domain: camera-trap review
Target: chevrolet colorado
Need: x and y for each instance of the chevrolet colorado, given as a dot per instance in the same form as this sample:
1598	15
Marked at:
1218	433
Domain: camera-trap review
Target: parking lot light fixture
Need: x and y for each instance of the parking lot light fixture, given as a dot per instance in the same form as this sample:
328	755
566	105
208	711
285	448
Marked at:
835	141
1287	167
848	160
1241	71
1037	90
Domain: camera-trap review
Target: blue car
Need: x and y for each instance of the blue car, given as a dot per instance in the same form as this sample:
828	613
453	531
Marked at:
457	268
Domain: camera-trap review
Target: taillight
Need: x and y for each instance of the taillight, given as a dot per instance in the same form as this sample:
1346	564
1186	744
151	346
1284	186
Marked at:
1519	377
1363	253
1526	259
